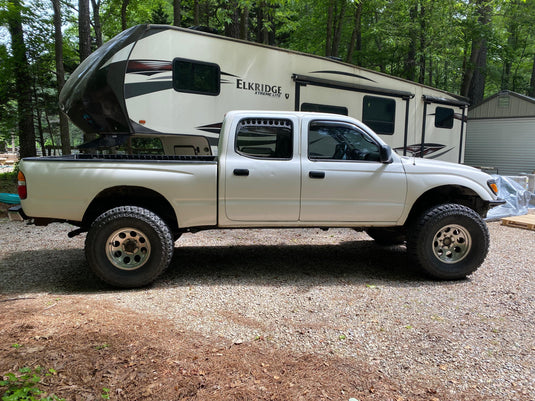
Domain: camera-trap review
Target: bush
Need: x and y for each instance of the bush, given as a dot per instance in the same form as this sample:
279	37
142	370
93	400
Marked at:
8	182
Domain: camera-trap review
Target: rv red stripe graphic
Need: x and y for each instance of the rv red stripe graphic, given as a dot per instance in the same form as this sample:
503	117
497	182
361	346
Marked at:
148	67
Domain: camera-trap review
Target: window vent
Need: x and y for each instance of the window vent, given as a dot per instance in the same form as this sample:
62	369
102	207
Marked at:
261	122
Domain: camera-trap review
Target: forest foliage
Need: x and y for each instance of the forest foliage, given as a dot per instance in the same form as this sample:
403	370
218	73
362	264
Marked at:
473	48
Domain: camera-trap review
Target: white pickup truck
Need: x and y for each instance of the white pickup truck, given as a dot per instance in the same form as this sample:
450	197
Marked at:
274	169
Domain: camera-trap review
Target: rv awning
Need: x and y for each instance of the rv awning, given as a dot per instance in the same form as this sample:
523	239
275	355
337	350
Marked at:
328	83
448	102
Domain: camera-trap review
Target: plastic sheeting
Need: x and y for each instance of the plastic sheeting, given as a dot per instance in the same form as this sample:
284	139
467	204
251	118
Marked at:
518	199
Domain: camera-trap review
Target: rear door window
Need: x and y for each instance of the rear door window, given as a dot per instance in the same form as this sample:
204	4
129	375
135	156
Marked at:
265	138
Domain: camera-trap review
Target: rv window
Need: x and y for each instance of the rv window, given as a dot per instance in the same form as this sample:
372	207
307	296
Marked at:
335	141
271	139
444	117
322	108
379	114
196	77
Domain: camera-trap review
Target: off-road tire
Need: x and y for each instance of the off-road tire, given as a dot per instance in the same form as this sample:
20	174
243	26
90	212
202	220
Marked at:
386	236
129	246
448	241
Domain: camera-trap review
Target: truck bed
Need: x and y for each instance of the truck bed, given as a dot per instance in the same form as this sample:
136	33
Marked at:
63	187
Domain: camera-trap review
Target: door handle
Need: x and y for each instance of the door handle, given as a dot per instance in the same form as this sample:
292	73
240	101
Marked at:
316	174
241	172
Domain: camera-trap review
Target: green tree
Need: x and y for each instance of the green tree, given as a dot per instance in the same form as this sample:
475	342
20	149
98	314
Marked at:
159	16
22	77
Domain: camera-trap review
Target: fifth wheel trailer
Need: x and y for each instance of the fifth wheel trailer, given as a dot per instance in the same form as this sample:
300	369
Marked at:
159	81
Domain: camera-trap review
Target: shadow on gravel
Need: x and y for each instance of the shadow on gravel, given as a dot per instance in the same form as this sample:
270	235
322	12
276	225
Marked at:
355	262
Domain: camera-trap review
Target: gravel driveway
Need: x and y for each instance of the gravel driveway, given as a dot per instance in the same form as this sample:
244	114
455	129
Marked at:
332	292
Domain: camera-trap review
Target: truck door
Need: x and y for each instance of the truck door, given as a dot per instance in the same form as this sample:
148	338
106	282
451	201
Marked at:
262	172
343	179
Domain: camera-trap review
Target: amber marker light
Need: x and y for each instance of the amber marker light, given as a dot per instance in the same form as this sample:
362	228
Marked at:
21	182
142	122
493	186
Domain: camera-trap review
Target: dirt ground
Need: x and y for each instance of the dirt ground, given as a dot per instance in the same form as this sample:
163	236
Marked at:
97	346
99	350
3	209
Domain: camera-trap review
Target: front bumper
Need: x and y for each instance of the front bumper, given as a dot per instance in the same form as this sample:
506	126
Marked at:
497	202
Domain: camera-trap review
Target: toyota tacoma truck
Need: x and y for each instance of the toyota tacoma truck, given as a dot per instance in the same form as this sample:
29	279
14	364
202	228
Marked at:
273	169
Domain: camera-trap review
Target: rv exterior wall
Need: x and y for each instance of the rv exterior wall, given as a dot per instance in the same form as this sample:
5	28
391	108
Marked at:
179	81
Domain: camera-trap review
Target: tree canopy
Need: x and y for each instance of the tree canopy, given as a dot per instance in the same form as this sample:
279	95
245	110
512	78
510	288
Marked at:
473	48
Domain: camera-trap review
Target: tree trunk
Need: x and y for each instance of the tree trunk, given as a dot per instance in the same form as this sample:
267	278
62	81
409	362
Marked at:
196	12
473	84
430	73
338	31
60	77
84	29
532	81
97	26
40	134
232	28
262	15
379	45
470	67
84	37
271	33
506	75
423	44
177	13
356	36
329	33
477	85
410	61
244	24
51	133
124	6
23	82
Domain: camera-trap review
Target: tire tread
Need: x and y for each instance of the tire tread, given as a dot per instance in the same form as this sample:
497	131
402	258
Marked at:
417	234
162	231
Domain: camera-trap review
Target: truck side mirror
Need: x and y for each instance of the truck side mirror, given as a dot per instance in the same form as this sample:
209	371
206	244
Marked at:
385	153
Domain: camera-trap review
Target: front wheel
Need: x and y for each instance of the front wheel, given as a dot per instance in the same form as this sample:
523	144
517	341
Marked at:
129	246
449	241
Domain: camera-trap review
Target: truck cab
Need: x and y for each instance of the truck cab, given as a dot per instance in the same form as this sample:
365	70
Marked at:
308	169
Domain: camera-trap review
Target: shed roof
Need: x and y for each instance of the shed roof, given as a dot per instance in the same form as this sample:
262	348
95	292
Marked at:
504	104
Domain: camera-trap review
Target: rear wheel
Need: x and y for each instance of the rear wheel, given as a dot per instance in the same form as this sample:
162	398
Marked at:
129	246
449	241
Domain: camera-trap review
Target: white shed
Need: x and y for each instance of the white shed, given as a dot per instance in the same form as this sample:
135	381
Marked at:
500	134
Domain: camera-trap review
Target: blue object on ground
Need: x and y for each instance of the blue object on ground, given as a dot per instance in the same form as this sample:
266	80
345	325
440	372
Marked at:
12	199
